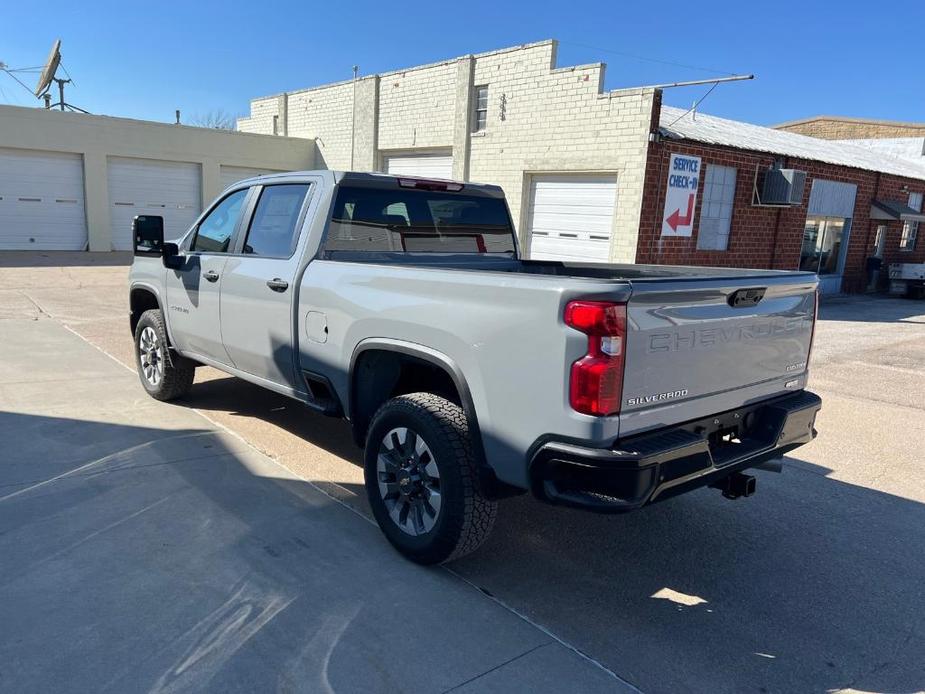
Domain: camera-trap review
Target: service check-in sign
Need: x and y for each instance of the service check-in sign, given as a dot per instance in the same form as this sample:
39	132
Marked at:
681	198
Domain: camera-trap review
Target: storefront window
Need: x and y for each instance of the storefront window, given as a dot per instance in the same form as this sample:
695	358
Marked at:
822	244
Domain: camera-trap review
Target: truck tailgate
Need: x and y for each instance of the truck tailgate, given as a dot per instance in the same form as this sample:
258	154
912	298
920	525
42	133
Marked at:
692	339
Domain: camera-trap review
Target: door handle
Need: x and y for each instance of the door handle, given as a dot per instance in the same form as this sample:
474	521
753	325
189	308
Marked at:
278	285
211	275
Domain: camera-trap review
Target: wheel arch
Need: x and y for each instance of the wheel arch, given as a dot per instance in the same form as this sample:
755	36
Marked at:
144	297
360	412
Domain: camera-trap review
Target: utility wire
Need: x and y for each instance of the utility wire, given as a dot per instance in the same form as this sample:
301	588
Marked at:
696	104
647	59
23	84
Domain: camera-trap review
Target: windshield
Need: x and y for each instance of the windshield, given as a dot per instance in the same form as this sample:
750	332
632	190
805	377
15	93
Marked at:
407	220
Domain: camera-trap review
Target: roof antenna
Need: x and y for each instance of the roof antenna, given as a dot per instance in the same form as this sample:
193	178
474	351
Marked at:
694	110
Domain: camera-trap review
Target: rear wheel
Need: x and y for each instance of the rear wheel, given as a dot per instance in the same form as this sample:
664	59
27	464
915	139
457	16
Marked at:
422	479
165	375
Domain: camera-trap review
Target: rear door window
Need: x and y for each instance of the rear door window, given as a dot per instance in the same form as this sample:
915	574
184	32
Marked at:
272	229
409	220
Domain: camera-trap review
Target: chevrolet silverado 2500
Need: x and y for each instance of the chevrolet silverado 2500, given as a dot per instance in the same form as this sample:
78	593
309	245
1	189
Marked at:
466	372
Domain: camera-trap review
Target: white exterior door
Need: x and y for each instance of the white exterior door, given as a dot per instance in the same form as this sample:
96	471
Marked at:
425	165
232	174
170	189
570	217
41	201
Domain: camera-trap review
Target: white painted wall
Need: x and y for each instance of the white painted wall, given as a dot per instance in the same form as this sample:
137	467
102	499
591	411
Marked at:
97	138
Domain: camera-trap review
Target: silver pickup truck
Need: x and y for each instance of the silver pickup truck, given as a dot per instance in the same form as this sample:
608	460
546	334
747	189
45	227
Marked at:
466	372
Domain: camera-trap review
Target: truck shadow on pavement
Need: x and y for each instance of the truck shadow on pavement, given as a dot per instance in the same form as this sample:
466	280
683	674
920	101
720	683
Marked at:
877	308
243	399
138	558
812	584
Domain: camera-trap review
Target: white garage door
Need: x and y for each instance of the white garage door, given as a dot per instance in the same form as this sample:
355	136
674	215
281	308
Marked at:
170	189
41	201
571	217
233	174
425	165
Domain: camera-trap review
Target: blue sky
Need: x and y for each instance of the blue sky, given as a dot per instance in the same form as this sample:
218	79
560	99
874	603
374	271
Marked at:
144	60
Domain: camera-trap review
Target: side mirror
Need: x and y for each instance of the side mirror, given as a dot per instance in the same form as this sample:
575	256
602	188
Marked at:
171	256
148	235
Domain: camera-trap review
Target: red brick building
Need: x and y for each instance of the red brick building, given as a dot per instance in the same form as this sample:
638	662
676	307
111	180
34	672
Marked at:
854	203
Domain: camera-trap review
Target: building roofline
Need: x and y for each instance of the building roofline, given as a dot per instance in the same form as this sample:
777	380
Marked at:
39	112
415	68
849	119
748	137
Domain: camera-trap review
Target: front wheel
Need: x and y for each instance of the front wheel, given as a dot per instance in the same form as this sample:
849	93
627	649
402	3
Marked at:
422	479
164	374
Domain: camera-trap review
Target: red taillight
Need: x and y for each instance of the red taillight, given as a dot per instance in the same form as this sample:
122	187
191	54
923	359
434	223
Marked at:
596	380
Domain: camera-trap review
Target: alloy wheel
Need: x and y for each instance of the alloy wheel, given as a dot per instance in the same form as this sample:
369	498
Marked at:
409	481
151	356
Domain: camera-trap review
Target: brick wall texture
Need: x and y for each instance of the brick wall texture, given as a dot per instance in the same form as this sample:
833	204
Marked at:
764	237
850	129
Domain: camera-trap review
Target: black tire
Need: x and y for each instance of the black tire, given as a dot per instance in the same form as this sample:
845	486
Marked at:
466	515
176	372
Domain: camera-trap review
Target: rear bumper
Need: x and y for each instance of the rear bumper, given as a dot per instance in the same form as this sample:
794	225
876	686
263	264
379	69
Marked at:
664	463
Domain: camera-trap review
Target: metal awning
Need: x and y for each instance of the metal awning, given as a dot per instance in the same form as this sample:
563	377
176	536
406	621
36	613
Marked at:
895	210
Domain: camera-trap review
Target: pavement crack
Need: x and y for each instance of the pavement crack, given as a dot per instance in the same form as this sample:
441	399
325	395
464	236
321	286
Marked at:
523	617
880	666
498	667
35	303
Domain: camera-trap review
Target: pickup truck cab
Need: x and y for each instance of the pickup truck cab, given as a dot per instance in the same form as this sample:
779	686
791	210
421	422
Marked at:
467	372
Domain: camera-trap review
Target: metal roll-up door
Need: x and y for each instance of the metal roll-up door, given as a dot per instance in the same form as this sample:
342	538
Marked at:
171	189
41	201
570	217
424	165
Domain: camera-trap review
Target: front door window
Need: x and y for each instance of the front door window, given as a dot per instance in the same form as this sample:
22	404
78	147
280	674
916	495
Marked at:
822	245
215	231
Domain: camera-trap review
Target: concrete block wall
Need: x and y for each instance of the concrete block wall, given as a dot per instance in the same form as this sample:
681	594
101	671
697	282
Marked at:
541	119
261	117
416	107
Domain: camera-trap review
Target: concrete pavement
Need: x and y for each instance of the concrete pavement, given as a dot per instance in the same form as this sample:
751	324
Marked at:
814	584
146	549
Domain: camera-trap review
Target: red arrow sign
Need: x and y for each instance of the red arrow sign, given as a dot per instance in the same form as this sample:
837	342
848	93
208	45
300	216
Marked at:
675	219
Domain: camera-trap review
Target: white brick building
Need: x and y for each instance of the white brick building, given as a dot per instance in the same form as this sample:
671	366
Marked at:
551	137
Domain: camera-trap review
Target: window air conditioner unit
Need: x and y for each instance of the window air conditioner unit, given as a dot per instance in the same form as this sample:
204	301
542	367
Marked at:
782	187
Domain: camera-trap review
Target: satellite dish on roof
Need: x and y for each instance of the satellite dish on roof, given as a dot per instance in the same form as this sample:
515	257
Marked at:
48	72
49	75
